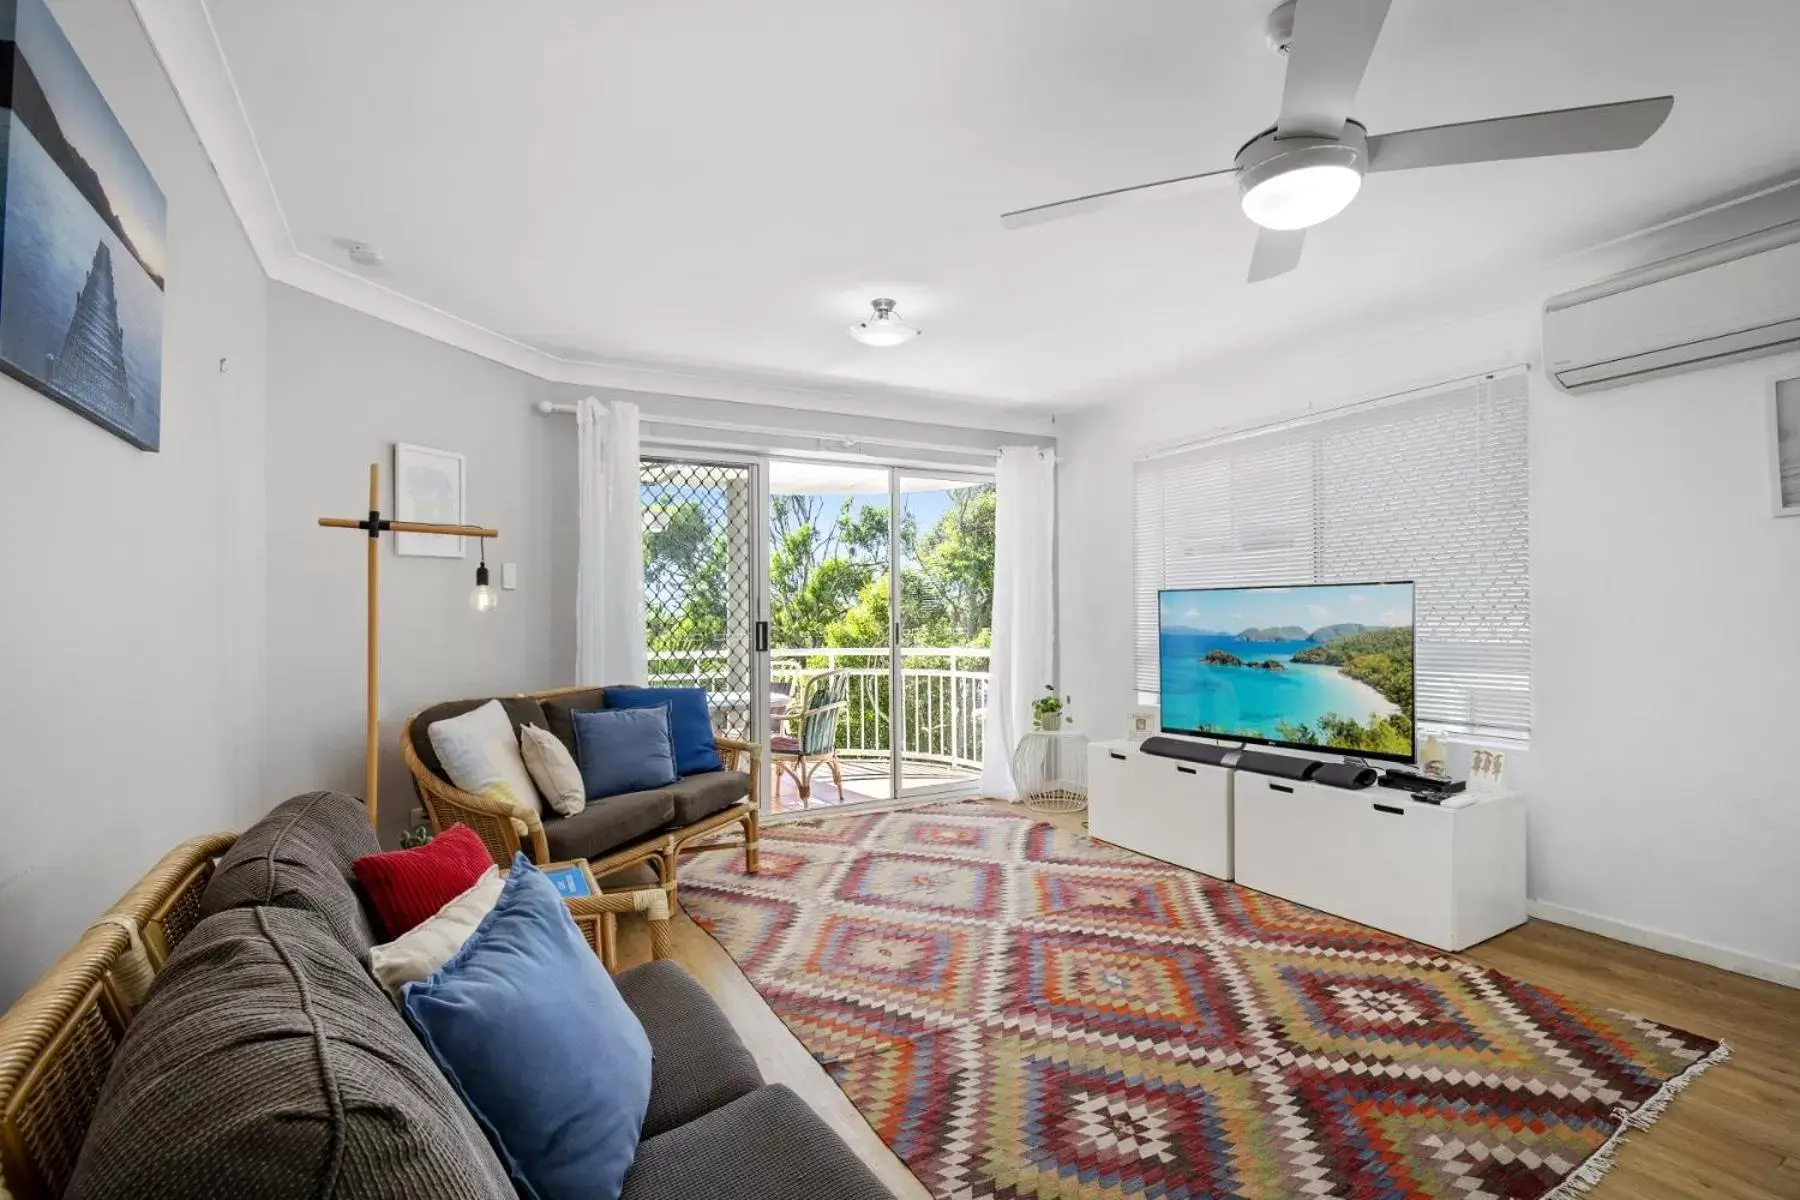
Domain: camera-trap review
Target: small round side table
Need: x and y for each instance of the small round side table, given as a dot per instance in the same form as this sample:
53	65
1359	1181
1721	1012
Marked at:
1050	770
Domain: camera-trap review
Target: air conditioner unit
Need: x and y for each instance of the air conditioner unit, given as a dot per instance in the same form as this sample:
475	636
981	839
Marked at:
1735	300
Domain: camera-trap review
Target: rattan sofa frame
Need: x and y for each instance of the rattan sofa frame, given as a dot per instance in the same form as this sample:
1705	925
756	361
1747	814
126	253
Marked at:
506	829
57	1041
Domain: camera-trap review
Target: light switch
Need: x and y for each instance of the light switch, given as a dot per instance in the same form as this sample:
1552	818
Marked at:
509	576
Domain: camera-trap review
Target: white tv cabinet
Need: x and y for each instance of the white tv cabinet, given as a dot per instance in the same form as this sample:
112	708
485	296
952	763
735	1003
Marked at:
1179	812
1447	877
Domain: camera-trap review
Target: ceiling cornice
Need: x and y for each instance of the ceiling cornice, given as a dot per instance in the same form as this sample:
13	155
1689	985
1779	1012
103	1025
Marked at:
182	34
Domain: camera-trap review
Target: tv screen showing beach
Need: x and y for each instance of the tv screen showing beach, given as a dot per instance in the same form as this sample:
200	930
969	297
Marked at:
1327	667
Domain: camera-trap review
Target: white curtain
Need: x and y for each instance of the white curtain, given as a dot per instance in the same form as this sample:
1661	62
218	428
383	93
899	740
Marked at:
609	601
1024	637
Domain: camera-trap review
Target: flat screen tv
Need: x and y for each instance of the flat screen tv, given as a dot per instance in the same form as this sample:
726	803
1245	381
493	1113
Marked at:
1320	667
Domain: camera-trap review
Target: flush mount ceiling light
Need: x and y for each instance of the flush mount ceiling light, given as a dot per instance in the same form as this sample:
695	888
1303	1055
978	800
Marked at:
883	327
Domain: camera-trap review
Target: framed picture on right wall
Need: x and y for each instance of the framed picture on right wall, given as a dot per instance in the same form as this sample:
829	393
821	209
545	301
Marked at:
1784	443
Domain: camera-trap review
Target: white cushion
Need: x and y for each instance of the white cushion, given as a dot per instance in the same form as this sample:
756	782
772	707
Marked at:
481	755
420	951
553	769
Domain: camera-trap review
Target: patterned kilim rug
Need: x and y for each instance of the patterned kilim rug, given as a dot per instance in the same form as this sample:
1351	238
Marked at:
1019	1011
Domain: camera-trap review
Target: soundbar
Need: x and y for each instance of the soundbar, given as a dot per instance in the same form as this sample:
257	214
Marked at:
1186	751
1345	775
1283	766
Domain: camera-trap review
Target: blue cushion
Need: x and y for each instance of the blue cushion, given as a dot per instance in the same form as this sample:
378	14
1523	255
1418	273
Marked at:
535	1038
690	723
623	750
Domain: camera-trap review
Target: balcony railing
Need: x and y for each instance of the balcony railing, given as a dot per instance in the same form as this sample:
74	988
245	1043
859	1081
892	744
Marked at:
943	691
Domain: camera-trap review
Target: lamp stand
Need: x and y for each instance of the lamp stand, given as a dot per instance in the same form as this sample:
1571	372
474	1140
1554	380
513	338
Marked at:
376	525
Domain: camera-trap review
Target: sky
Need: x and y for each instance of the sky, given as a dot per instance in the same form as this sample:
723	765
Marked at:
92	129
926	508
1236	609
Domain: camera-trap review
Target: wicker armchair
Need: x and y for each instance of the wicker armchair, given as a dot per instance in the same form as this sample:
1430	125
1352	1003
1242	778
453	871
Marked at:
506	829
812	740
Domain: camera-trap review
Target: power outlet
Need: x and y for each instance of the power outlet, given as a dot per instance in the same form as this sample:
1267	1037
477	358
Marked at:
415	816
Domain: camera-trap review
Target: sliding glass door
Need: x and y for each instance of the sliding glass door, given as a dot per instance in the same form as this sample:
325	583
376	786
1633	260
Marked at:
945	599
830	688
880	590
838	612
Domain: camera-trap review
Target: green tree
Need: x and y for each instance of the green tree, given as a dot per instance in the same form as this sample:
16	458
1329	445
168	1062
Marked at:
684	577
828	573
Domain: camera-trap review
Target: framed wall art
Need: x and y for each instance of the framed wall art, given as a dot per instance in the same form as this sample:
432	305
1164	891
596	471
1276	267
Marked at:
429	486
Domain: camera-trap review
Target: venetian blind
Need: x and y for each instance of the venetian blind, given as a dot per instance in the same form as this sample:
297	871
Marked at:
1433	488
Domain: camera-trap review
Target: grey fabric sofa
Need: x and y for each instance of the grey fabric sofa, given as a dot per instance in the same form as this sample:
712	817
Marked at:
266	1062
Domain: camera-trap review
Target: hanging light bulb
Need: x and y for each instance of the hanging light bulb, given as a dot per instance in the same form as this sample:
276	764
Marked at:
483	598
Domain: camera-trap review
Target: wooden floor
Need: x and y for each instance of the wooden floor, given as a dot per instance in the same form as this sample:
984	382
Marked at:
1733	1134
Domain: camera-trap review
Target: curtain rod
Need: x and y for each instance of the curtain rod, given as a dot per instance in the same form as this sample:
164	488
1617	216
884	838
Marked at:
850	440
1326	414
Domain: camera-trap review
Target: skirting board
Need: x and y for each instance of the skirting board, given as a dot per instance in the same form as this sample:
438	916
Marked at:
1786	974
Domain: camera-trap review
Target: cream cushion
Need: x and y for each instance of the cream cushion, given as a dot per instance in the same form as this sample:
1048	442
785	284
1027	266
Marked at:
481	755
553	769
420	951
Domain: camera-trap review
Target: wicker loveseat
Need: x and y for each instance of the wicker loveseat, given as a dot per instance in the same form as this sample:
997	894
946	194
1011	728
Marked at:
216	1033
655	827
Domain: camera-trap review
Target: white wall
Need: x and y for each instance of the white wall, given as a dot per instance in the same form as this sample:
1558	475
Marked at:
343	387
1660	772
131	605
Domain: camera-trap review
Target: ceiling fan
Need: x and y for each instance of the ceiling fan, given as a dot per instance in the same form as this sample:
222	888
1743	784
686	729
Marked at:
1310	166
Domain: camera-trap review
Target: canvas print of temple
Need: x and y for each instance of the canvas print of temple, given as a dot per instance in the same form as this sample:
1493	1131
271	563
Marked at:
82	244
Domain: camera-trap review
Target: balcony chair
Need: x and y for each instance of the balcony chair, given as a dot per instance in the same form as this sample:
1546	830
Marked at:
811	738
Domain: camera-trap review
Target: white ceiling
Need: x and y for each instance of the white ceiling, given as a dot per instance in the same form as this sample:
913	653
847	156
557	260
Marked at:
715	187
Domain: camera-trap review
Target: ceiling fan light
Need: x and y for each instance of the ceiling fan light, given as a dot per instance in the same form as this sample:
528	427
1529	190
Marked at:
1296	182
883	326
1302	197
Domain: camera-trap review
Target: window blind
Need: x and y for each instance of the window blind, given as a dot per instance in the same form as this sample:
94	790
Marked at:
1434	488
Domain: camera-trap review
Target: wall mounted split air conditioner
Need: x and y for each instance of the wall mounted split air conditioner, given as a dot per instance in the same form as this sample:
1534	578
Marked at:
1735	300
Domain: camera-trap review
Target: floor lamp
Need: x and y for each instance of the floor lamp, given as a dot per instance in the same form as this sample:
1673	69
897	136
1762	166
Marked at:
375	525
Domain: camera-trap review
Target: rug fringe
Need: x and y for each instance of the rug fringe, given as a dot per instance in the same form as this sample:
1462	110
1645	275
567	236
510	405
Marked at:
1594	1168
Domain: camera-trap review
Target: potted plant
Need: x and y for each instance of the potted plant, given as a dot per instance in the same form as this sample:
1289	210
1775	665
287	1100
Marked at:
1049	712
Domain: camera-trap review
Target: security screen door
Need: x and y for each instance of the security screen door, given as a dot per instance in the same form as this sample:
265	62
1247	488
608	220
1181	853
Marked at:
701	585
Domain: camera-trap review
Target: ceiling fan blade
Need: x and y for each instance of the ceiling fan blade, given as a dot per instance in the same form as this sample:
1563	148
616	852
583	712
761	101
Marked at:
1327	55
1116	198
1623	126
1277	253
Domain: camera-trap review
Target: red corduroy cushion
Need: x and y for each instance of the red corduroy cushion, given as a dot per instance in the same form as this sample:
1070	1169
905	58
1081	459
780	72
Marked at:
408	886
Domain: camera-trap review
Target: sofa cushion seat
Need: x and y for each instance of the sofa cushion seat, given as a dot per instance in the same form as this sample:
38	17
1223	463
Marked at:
605	825
699	1064
698	796
769	1145
300	856
267	1063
